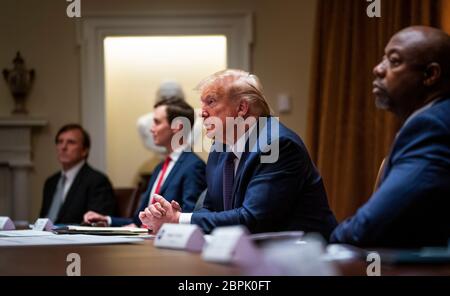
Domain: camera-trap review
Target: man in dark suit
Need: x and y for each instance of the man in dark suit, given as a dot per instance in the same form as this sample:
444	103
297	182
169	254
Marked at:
181	176
264	179
78	188
410	207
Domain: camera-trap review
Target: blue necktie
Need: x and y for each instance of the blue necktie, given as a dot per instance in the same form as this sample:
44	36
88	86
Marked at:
228	180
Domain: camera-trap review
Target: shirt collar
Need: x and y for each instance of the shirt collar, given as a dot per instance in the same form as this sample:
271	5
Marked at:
177	153
239	147
72	172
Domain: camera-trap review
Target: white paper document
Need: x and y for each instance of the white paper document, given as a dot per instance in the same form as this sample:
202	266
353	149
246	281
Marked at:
72	229
24	233
59	240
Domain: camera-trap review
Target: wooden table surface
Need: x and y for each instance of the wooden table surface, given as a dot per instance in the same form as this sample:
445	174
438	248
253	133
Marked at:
145	259
123	259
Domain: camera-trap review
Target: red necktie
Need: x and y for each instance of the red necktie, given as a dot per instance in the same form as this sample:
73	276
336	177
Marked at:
163	172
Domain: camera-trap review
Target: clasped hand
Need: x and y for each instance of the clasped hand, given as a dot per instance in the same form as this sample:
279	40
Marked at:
159	212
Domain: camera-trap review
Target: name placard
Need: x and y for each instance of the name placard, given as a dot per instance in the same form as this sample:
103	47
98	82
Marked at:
6	224
231	245
43	224
187	237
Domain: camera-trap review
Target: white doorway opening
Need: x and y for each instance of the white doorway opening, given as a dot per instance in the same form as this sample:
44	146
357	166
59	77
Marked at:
134	69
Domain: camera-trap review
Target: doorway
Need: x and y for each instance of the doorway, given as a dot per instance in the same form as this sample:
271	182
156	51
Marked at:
134	69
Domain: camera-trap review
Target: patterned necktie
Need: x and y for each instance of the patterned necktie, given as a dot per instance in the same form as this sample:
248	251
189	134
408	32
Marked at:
228	180
58	199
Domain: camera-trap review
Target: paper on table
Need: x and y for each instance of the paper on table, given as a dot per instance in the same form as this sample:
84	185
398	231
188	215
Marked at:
24	233
70	239
277	235
71	229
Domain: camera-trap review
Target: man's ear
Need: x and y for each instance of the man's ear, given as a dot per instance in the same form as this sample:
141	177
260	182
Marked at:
85	153
432	74
243	108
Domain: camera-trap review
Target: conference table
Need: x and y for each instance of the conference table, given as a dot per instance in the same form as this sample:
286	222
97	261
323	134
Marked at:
119	259
144	259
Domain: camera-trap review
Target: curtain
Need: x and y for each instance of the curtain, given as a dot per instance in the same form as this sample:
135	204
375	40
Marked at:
347	136
445	15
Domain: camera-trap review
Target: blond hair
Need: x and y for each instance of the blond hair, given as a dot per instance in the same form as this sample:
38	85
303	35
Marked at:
239	84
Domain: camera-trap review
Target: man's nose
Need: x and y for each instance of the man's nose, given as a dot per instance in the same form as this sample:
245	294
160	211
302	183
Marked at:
203	114
379	70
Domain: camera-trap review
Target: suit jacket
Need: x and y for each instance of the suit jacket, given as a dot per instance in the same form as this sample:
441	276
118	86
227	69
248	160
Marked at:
410	208
285	195
185	183
90	191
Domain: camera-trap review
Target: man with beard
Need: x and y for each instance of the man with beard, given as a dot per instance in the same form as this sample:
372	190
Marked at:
410	206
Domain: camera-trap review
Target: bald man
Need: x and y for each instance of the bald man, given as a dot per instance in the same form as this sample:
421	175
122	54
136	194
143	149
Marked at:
410	208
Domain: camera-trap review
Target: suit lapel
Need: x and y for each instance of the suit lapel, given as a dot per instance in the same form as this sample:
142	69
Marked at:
71	194
173	173
386	167
393	148
239	173
388	159
250	152
145	197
